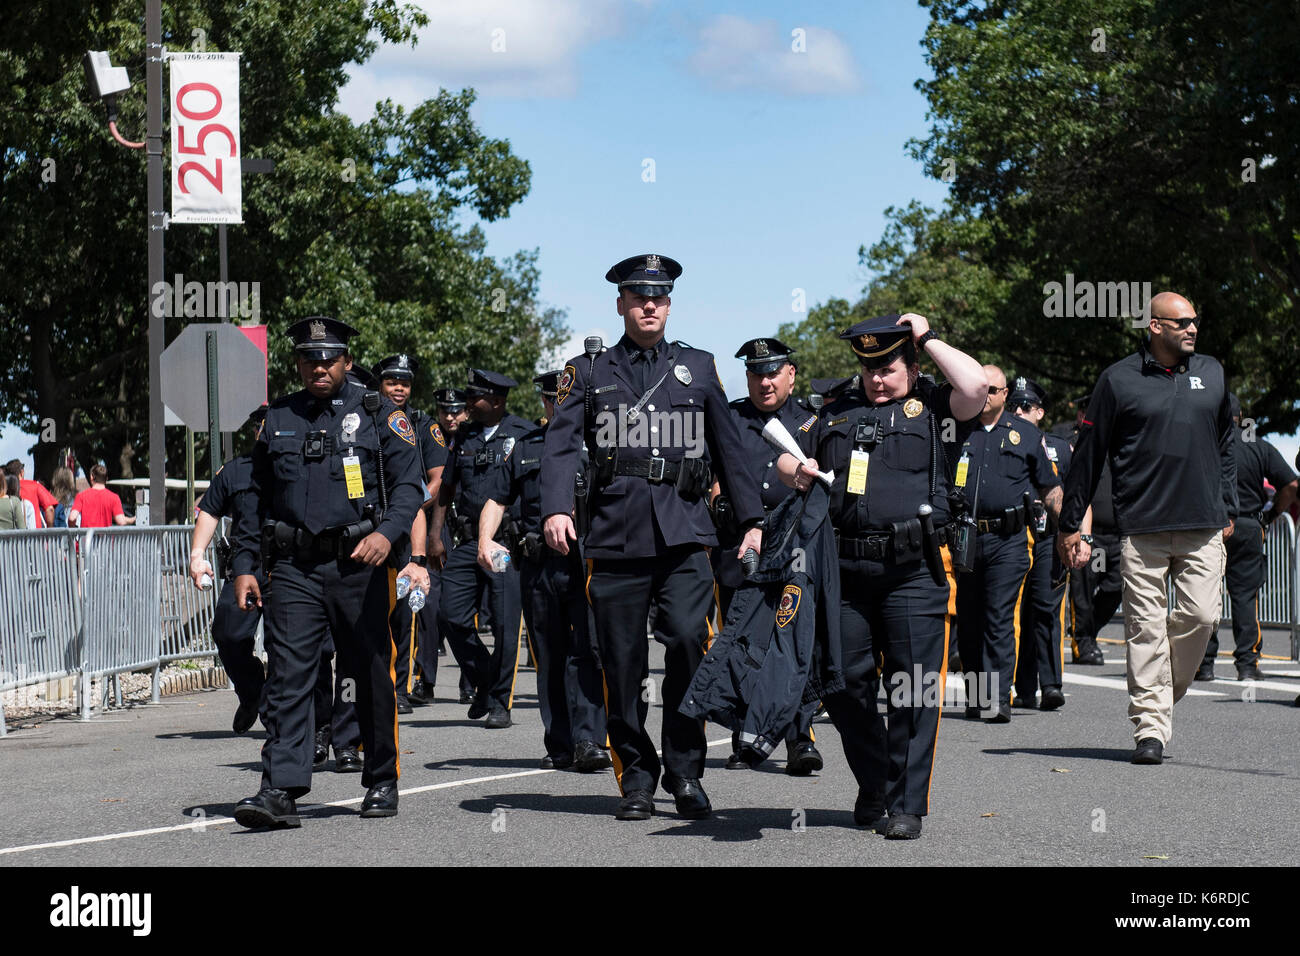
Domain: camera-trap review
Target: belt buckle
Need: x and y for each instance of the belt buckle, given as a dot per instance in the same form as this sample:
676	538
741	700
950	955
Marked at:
984	525
653	476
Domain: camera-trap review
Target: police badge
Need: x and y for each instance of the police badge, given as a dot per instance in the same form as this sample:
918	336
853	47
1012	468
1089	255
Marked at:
1015	437
351	422
507	446
912	407
683	374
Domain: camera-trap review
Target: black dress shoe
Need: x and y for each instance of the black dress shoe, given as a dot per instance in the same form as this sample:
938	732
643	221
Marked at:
498	719
869	811
403	704
1149	751
636	805
322	754
802	759
692	801
348	760
1053	697
1089	653
1205	672
1249	672
903	826
1027	701
479	708
270	808
974	713
467	698
737	762
380	801
245	714
421	694
556	762
588	758
1003	716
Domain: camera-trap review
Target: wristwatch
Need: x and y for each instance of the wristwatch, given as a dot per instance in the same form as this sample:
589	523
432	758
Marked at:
422	560
1086	539
927	336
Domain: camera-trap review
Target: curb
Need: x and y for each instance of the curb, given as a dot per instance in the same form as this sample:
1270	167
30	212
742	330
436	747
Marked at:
206	678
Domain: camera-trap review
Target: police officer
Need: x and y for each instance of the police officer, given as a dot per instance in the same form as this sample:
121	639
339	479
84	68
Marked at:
479	453
891	508
569	689
451	410
1257	461
335	484
647	408
769	376
234	633
1097	588
395	375
1042	607
1002	467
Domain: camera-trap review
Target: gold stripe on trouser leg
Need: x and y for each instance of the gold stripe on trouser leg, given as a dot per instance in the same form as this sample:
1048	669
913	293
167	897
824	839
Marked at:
1015	616
392	666
410	668
1060	615
943	669
1074	619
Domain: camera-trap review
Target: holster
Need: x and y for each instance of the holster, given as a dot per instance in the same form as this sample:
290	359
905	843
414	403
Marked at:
724	521
693	478
581	506
531	545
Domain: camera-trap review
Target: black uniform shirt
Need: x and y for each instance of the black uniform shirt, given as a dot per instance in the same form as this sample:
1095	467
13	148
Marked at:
899	478
1004	463
433	444
313	494
1256	461
221	500
1168	435
476	462
521	480
760	454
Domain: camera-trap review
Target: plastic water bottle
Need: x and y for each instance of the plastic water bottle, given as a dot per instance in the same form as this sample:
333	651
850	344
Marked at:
403	586
500	560
205	582
416	600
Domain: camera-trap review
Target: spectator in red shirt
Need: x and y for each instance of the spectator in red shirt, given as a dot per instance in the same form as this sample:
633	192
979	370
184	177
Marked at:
97	507
42	501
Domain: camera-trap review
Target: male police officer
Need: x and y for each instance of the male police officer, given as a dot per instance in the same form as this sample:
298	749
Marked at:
451	410
647	408
1042	648
769	376
480	452
556	611
335	484
1003	463
892	447
1257	461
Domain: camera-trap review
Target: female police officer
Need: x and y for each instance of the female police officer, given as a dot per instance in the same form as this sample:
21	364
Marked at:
891	446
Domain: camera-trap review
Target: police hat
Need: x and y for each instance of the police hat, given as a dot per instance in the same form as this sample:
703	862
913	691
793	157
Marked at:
1082	401
1025	391
832	388
482	382
320	337
548	383
648	275
397	366
764	356
450	399
873	340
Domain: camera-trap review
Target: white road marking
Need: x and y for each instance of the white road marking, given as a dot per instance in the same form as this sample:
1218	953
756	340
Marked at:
205	822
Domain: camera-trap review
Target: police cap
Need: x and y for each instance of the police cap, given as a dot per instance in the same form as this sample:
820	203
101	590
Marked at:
648	275
1025	391
548	383
832	388
320	337
764	356
874	340
400	366
450	399
482	382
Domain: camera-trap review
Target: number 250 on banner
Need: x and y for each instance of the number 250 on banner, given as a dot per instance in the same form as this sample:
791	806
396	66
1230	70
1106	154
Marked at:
205	137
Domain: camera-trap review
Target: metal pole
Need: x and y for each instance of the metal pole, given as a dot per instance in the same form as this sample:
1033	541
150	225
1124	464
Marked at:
214	433
189	474
227	439
157	433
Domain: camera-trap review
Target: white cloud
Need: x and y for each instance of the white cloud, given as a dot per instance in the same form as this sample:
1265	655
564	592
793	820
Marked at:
512	48
739	54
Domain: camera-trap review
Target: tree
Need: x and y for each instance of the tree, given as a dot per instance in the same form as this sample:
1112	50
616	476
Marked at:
360	220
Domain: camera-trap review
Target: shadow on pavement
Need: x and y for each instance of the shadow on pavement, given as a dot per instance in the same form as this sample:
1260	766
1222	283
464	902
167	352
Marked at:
520	763
210	735
1115	755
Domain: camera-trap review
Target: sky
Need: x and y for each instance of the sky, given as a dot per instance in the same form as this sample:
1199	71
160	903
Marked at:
757	143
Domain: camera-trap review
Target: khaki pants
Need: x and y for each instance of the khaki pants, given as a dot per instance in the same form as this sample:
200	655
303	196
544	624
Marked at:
1166	645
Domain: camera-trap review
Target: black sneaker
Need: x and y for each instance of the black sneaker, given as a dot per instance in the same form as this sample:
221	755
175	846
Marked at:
1249	672
1205	672
1149	751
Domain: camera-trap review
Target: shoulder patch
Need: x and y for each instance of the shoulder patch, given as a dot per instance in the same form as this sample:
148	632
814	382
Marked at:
436	434
401	426
812	420
565	384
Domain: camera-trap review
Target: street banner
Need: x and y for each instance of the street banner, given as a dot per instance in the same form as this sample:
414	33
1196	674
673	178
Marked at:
205	163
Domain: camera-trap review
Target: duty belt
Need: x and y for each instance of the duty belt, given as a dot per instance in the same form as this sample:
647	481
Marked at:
652	469
878	545
1010	522
332	542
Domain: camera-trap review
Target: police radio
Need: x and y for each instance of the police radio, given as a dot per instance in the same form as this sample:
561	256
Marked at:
370	401
966	531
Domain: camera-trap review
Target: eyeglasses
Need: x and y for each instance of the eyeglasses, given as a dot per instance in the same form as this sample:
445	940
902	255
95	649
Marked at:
1181	324
994	389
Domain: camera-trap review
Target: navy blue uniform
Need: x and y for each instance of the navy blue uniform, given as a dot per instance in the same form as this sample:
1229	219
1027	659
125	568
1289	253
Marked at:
234	631
473	469
647	537
299	482
560	629
1004	462
894	616
1041	660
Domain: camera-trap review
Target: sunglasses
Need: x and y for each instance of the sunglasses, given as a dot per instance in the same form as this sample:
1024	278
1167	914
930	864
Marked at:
1181	324
994	389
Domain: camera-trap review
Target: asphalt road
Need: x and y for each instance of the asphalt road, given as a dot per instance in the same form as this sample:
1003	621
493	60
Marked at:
153	785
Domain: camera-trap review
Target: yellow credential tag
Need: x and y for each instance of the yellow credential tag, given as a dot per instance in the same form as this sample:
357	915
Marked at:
352	473
857	472
963	467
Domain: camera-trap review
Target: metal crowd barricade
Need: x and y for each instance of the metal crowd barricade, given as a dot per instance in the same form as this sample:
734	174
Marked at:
186	611
40	608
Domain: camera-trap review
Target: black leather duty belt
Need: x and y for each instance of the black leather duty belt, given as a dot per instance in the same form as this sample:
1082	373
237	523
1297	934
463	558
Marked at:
651	469
1009	523
879	545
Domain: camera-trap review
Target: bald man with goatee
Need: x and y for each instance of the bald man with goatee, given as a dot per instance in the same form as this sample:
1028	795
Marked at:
1162	418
